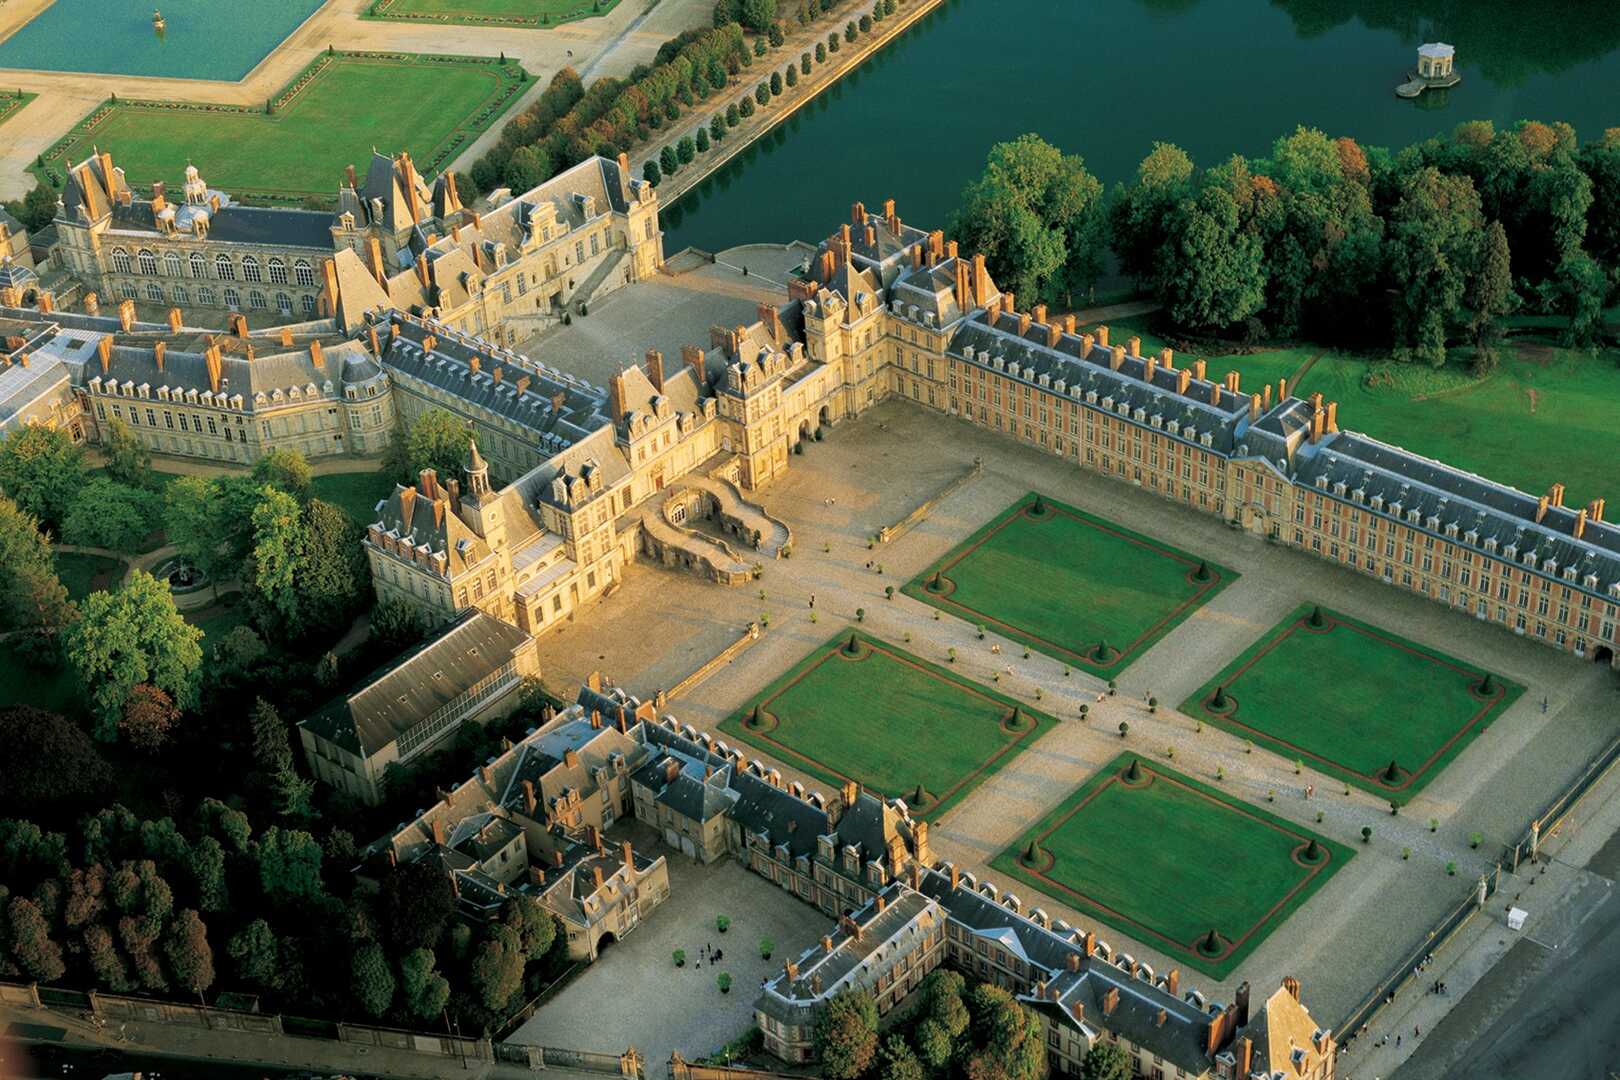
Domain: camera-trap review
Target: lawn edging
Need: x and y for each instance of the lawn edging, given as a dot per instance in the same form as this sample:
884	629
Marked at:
736	725
1009	862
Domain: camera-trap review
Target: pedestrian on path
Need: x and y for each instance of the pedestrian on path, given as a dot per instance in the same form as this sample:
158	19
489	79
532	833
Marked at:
812	600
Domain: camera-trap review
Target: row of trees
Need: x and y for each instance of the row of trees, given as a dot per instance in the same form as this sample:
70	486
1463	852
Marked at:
676	155
1418	251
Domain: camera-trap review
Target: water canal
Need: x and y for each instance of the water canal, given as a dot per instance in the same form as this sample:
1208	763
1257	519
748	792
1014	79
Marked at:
1107	78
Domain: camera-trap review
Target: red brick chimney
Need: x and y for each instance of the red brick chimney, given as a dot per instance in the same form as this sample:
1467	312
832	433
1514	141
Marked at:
655	369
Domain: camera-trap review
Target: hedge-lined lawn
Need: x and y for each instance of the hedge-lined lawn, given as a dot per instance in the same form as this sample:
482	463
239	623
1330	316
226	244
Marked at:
1546	414
1349	698
887	720
1064	582
534	12
408	103
1167	859
356	493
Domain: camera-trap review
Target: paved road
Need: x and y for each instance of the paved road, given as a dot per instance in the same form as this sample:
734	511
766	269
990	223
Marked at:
1541	1012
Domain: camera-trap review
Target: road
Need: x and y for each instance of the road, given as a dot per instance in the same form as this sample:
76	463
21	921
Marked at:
1541	1012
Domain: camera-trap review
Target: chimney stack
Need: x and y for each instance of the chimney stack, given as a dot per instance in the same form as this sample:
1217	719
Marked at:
529	801
655	369
596	876
628	855
160	347
1289	983
1102	336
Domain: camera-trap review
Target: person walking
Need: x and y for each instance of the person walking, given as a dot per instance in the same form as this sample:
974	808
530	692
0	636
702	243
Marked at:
812	601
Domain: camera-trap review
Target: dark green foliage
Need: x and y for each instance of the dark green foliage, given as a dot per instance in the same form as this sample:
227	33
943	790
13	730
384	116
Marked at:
41	470
1106	1061
845	1035
49	761
686	149
700	140
416	903
650	173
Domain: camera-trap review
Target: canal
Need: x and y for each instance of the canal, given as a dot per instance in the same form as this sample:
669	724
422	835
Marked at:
1106	79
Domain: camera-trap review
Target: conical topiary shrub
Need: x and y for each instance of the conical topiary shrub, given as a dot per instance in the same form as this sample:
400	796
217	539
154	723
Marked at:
1211	944
1392	773
1134	773
1313	853
1220	700
1317	619
920	797
1016	720
1202	573
757	717
1033	855
854	645
1487	685
1040	505
1102	652
933	582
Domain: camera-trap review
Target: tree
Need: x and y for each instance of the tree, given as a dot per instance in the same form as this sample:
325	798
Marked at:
1106	1061
30	592
36	209
331	575
791	75
254	953
416	904
897	1061
284	470
668	162
776	84
41	469
651	173
745	105
535	927
49	761
196	519
289	862
845	1037
106	962
237	653
278	554
149	718
191	958
1140	213
934	1044
528	167
128	636
423	990
821	52
206	862
1490	294
757	15
495	974
686	149
701	140
762	93
1212	272
732	119
1434	237
371	980
128	460
1038	217
109	514
29	944
717	129
396	625
436	440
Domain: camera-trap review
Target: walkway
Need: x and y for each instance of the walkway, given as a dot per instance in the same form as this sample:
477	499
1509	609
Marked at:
711	553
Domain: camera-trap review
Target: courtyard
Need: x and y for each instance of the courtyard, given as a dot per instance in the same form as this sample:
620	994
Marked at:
1070	584
1304	691
634	995
1202	877
859	708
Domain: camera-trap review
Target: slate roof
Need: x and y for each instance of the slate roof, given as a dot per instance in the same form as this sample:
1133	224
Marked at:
23	390
394	699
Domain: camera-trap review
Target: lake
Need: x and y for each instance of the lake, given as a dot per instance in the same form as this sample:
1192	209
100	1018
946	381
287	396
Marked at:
204	39
1106	79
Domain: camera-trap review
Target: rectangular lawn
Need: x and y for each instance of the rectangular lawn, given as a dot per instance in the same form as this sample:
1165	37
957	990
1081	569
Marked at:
1064	582
429	106
523	12
889	720
1167	860
1350	699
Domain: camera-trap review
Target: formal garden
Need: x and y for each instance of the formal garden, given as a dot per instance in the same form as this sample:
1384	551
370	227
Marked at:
1069	584
858	708
1155	854
1303	691
296	145
532	13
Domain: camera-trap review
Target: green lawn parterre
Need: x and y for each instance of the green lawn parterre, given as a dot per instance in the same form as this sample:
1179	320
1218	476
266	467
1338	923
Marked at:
430	106
1166	859
84	574
356	493
889	720
1349	698
475	12
13	102
1063	581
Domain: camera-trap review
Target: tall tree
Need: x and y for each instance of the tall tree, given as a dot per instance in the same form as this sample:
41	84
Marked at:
109	514
416	905
278	555
897	1061
190	957
133	635
1434	238
1140	212
254	954
1490	296
1213	270
496	972
29	941
30	592
40	469
48	761
436	440
372	980
284	470
149	718
845	1037
332	577
423	990
1106	1061
289	866
128	460
1600	160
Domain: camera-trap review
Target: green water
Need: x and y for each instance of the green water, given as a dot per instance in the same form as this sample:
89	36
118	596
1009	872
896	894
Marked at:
1105	79
202	39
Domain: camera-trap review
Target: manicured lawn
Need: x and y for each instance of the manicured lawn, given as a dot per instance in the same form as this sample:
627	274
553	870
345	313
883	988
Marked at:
56	688
427	106
356	493
1546	414
887	720
12	103
532	12
1350	698
85	574
217	620
1064	582
1167	859
1258	368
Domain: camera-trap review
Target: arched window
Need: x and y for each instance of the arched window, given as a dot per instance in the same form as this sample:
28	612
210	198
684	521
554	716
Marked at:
206	297
304	274
181	295
147	262
224	268
284	303
172	265
233	299
278	272
250	269
154	293
256	300
308	303
199	265
120	259
126	291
